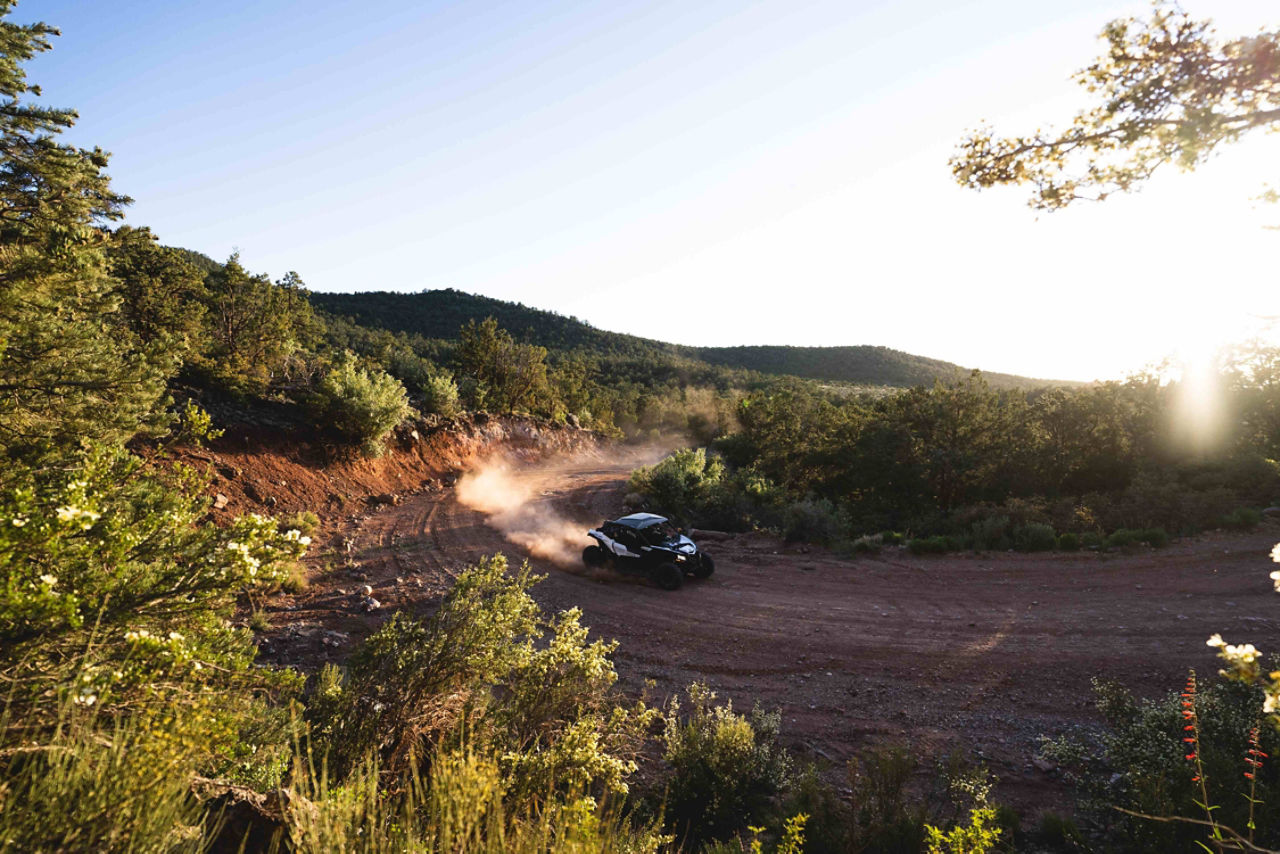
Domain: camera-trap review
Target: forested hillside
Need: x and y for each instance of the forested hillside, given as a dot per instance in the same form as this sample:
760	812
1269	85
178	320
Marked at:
439	315
860	364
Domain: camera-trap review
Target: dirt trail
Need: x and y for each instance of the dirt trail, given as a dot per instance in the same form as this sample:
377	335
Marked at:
979	652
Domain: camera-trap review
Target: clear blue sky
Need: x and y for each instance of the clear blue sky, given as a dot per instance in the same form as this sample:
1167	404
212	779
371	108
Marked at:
707	173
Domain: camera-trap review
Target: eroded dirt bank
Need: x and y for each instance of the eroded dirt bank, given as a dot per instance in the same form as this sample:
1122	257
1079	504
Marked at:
984	653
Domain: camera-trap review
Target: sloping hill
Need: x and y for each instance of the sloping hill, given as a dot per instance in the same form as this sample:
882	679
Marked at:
439	314
862	364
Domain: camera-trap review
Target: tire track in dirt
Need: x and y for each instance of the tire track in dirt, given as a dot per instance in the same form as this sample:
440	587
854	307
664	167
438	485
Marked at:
984	653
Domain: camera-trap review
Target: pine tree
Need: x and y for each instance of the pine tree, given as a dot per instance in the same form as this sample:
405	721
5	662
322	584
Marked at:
67	373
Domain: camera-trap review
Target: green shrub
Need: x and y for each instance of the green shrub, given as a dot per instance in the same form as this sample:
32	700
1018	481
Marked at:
490	664
102	788
1035	537
1241	519
1123	538
440	395
1092	540
991	533
865	545
457	804
724	766
1157	538
891	538
979	836
680	485
1068	542
1139	763
813	520
934	545
306	523
362	406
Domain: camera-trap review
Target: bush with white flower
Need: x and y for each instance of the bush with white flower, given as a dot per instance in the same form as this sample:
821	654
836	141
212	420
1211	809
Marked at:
116	592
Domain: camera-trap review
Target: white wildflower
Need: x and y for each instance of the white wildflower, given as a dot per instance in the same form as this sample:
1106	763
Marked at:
85	699
1275	553
1216	641
1244	653
48	580
174	636
1275	576
71	513
19	521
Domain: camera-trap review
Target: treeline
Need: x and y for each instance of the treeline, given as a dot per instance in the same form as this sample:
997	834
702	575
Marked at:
227	330
861	365
988	468
437	315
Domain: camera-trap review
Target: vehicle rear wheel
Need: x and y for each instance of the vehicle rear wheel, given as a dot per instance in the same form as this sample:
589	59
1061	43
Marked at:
593	556
705	566
667	576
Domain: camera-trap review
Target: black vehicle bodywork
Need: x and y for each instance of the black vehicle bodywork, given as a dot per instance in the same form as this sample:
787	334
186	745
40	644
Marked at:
647	544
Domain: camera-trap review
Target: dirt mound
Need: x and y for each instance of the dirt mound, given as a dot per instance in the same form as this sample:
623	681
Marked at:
266	463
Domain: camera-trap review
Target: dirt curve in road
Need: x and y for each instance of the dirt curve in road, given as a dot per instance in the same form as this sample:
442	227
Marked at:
984	653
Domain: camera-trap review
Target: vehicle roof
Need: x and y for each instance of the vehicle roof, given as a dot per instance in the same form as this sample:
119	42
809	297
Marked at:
641	520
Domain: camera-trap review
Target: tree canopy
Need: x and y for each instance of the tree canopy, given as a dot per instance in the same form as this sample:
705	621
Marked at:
1167	90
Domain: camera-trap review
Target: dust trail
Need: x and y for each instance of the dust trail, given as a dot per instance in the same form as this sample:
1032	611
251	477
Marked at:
512	496
512	502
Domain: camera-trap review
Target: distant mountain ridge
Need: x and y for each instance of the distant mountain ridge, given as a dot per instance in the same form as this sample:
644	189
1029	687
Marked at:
857	363
439	314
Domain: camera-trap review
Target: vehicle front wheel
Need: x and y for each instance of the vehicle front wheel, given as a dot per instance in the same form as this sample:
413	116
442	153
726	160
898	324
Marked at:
705	567
667	576
593	556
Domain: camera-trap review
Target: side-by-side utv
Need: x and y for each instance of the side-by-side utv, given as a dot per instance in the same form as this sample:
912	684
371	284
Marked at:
647	544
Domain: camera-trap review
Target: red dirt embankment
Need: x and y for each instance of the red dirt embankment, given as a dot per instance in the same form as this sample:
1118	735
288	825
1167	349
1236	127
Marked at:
264	465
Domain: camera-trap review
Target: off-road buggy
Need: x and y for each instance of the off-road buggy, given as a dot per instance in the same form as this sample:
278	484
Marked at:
647	544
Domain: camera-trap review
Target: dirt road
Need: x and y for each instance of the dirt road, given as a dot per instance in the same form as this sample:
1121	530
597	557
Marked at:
984	653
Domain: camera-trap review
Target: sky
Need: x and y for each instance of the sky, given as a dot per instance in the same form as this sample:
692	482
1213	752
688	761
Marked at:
709	173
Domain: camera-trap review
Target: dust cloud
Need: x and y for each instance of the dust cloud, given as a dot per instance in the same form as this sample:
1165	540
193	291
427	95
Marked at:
514	504
518	500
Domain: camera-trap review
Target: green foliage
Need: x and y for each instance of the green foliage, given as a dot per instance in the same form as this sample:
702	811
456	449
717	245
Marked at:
934	545
814	520
861	364
254	328
532	690
440	396
162	294
361	405
497	372
1167	92
460	804
979	836
995	469
682	484
724	766
67	371
990	533
1068	542
91	787
1242	519
304	522
1139	763
1035	538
